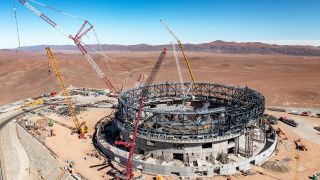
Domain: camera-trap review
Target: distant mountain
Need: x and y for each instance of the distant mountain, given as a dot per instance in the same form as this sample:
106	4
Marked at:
215	46
5	50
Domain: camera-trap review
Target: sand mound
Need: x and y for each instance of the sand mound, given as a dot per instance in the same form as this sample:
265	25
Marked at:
276	166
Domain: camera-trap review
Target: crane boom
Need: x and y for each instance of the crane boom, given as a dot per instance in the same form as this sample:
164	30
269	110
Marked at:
154	72
182	49
84	29
57	72
145	89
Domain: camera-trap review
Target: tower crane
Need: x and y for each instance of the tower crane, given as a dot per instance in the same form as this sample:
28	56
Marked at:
81	130
129	170
183	52
84	29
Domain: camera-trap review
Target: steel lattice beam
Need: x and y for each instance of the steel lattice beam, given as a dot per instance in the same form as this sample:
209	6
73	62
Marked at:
237	108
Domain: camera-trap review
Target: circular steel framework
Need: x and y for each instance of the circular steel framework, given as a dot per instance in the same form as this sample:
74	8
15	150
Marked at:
187	112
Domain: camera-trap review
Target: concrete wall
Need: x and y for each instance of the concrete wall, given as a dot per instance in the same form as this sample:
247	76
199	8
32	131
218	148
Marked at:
190	151
120	156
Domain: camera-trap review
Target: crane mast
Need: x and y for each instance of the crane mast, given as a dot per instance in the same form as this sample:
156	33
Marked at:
71	109
84	29
129	170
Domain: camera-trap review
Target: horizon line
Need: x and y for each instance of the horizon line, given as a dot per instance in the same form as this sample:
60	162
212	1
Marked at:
311	43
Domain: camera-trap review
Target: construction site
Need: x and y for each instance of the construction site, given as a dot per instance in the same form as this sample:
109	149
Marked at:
216	132
151	125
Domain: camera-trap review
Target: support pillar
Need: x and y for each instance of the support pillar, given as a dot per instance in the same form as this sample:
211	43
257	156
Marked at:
236	146
248	143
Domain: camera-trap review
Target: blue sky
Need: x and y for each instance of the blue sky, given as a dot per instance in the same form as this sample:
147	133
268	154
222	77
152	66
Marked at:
194	21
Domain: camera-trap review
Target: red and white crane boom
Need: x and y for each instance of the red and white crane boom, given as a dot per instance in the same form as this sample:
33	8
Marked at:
145	89
84	29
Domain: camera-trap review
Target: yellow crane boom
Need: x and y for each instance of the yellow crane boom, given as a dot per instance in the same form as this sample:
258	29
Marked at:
182	49
57	72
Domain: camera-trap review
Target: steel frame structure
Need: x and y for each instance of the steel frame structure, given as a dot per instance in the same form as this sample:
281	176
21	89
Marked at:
231	110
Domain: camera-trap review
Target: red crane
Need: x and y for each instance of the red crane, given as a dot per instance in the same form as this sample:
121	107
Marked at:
84	29
129	170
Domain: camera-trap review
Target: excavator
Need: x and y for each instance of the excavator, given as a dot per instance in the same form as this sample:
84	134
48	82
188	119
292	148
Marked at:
79	128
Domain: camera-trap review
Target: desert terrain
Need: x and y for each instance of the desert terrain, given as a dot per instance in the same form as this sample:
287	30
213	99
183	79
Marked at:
285	80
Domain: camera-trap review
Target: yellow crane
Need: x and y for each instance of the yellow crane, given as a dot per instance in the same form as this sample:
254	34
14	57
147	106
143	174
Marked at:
183	52
81	130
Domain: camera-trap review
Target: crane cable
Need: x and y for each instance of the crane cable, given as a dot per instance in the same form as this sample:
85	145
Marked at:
57	10
16	22
178	68
106	58
101	52
183	52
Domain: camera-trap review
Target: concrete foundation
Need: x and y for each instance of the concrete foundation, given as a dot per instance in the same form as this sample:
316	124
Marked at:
165	163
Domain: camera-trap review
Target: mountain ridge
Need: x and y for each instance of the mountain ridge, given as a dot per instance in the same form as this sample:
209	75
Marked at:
218	46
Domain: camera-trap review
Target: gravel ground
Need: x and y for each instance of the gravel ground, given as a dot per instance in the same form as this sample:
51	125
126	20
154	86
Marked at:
42	163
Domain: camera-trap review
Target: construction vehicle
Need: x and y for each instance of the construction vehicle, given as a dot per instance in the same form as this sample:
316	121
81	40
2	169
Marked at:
315	176
84	29
128	174
281	134
50	123
80	128
183	52
299	145
305	113
290	122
